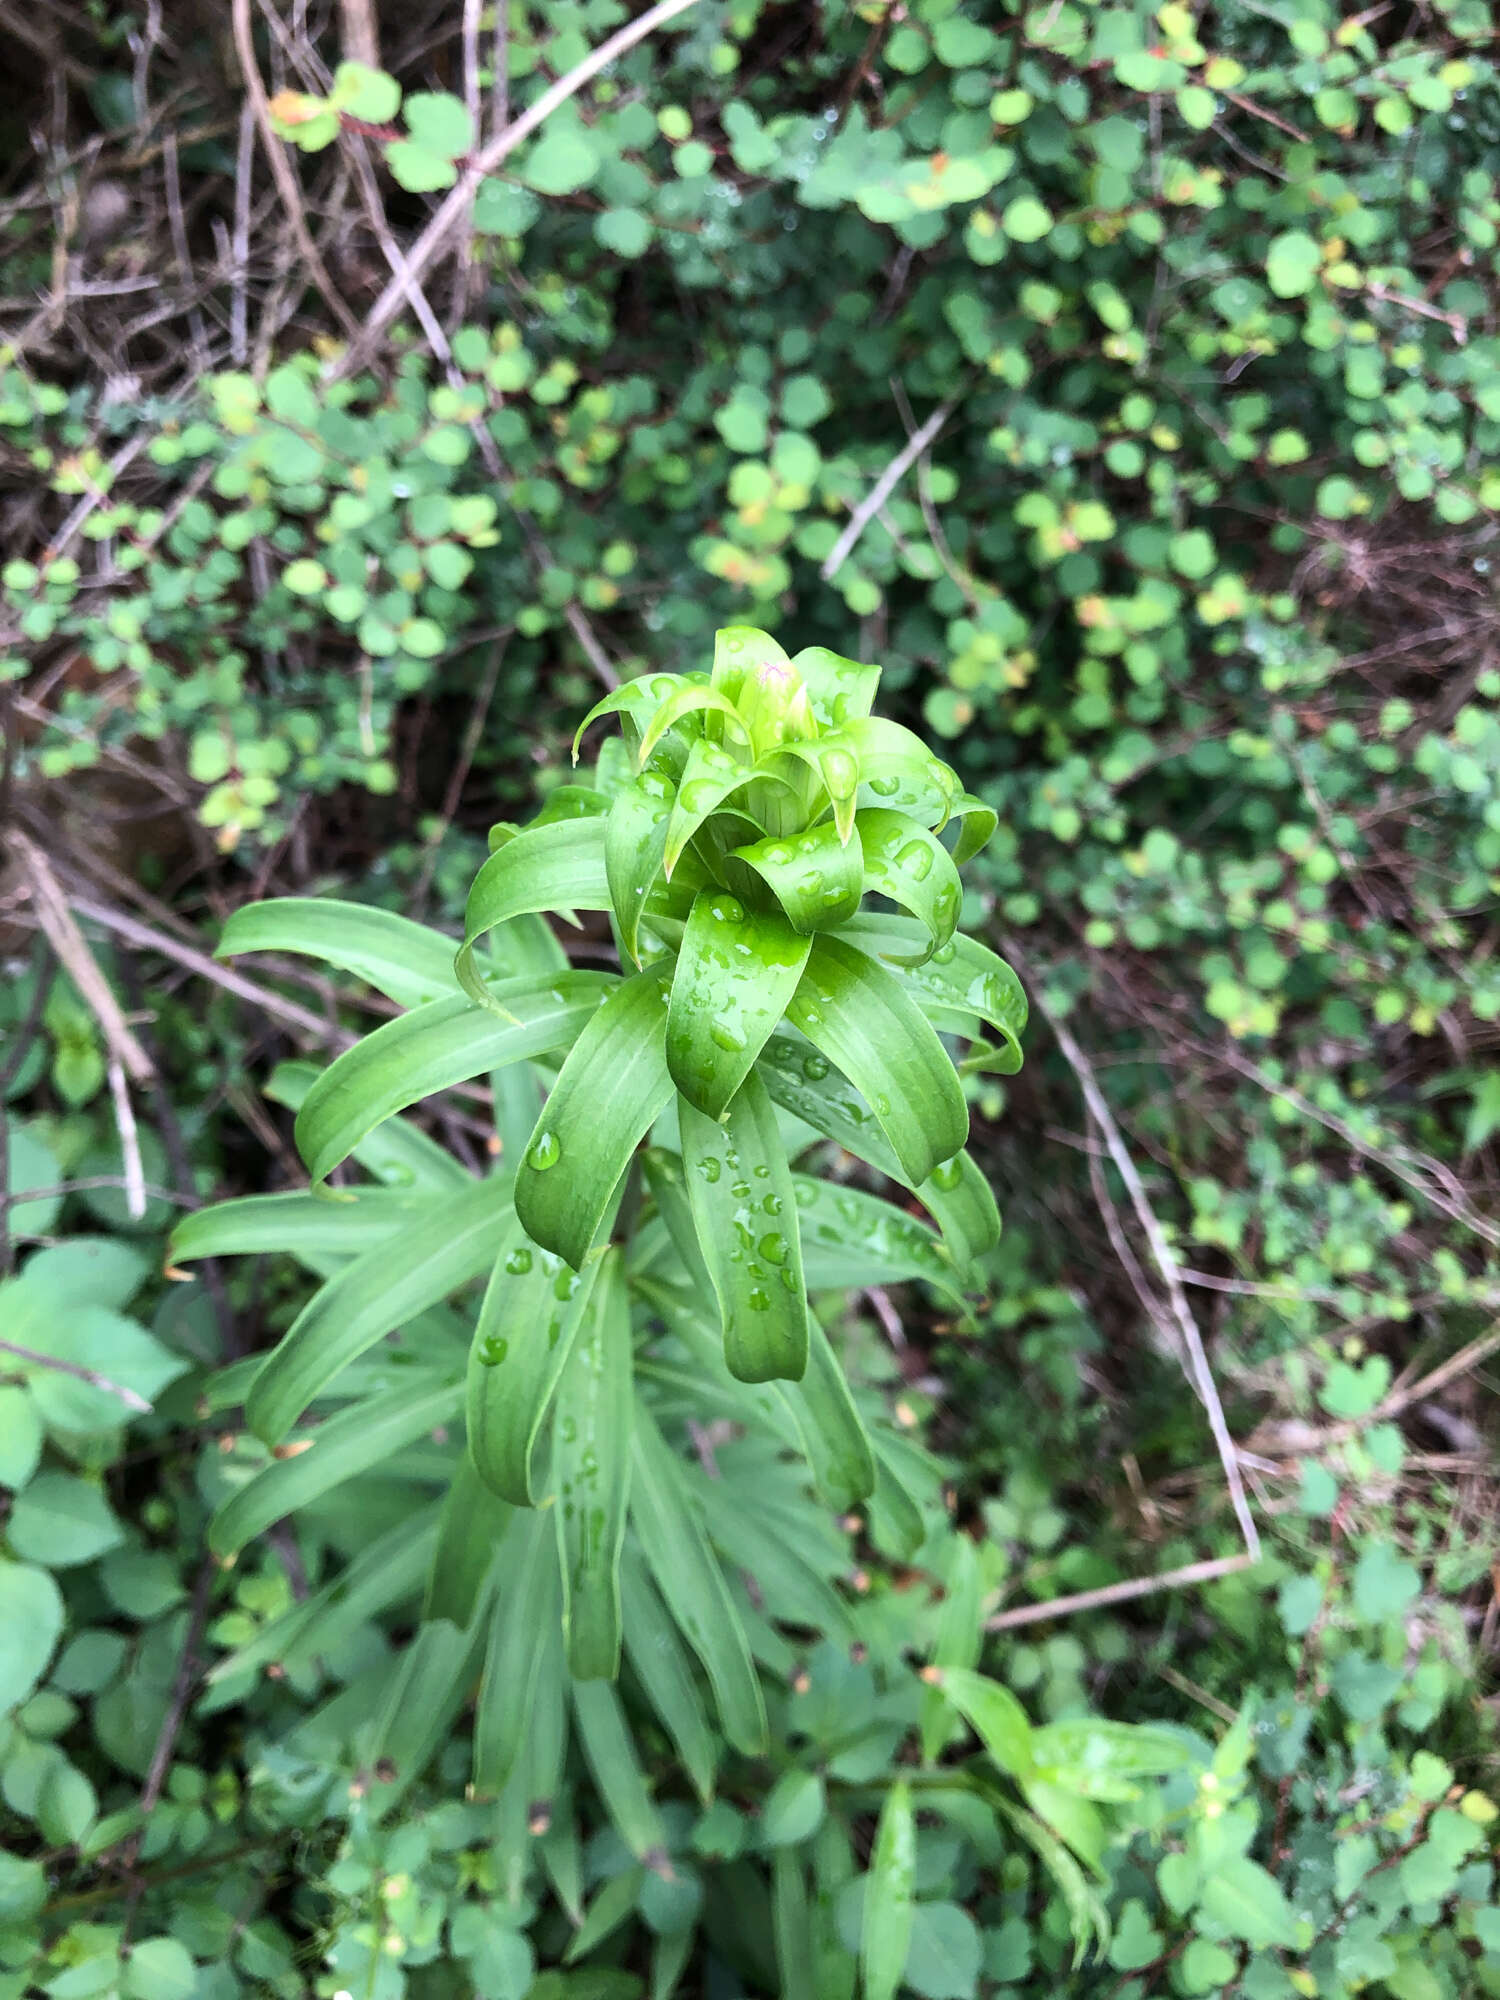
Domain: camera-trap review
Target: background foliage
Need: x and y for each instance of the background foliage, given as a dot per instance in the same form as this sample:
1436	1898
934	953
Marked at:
1193	314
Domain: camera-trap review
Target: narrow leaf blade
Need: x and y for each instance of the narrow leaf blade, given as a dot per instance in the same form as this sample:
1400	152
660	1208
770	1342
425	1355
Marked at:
913	868
591	1474
890	1896
737	970
404	960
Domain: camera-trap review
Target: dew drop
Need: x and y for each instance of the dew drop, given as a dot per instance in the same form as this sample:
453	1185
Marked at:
493	1351
773	1247
885	788
814	1068
518	1262
709	1167
725	1035
949	1174
543	1152
840	773
916	860
758	1300
728	910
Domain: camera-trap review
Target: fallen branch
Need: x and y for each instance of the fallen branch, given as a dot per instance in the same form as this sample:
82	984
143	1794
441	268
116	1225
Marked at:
451	211
67	941
881	491
130	1143
1180	1320
1120	1593
90	1375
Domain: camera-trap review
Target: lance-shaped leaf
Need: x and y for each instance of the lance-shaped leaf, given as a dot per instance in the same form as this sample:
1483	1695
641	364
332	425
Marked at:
995	1716
956	1194
435	1046
913	868
397	1152
739	650
591	1474
527	1323
961	983
694	698
890	1896
791	1925
474	1524
976	824
1088	1919
412	1269
431	1683
610	1753
635	837
898	771
815	877
960	1634
664	1672
348	1444
406	961
527	1603
840	690
633	701
555	867
846	1232
689	1577
313	1228
835	762
833	1433
737	970
710	776
740	1187
858	1015
612	1087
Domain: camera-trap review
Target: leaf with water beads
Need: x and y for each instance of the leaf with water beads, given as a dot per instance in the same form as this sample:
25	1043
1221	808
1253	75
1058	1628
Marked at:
839	690
711	775
835	762
634	836
736	971
976	824
960	984
899	772
740	1188
694	698
633	701
527	1323
850	1237
814	876
591	1474
868	1026
610	1090
911	866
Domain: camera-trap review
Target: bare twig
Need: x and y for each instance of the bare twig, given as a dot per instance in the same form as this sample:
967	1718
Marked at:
881	491
95	1380
1119	1593
67	941
1181	1315
361	32
286	180
451	210
130	1144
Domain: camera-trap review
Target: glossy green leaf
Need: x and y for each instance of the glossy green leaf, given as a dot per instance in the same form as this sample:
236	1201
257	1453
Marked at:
711	775
661	1666
960	1201
635	837
739	651
853	1238
959	1636
866	1023
31	1622
527	1603
695	698
404	960
832	1430
610	1090
527	1324
890	1896
1088	1919
436	1046
1105	1760
743	1203
815	877
473	1524
995	1716
899	772
913	868
346	1445
397	1153
840	690
413	1269
310	1227
834	760
611	1757
736	972
976	827
553	867
633	701
961	983
690	1579
591	1474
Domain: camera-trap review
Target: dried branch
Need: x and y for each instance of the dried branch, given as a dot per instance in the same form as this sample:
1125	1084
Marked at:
1119	1593
881	491
90	1375
66	940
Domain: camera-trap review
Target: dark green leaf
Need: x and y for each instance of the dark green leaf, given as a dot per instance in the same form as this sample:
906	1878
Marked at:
890	1896
611	1757
833	1434
407	961
591	1474
662	1668
527	1604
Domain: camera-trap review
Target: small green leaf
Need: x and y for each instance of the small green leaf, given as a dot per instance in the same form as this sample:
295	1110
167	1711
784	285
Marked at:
31	1622
745	1209
793	1809
1292	262
439	122
1250	1904
890	1896
736	972
995	1716
364	93
610	1090
418	169
839	690
561	161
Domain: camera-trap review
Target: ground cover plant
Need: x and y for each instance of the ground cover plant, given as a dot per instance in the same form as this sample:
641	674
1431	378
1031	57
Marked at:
379	389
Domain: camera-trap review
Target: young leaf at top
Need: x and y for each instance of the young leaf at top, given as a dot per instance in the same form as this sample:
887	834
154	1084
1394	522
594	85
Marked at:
913	868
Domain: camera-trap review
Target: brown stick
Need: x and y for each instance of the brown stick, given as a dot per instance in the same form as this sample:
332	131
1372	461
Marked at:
128	1397
1119	1593
66	940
